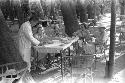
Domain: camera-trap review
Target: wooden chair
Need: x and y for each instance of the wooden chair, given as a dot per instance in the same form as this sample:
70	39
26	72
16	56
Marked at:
86	63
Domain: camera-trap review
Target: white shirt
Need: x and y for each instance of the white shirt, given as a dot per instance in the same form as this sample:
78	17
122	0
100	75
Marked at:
26	36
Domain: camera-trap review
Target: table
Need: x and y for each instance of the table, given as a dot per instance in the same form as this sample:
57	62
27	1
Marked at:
57	47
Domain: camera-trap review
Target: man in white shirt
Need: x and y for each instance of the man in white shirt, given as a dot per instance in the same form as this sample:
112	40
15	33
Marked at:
26	39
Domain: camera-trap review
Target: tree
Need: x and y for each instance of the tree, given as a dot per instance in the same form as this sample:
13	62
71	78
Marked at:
20	13
110	63
122	7
69	16
52	10
91	10
8	51
36	6
5	6
81	10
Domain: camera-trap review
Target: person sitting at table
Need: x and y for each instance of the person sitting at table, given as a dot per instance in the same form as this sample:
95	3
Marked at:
26	39
40	32
102	36
83	33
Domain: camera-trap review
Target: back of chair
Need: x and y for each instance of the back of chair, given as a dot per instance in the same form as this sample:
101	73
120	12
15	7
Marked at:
11	70
82	61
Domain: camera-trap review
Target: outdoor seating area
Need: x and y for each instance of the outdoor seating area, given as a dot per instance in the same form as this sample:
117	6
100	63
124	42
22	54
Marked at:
66	53
61	41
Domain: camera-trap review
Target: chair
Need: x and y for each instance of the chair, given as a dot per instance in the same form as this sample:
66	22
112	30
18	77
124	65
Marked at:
96	50
79	60
11	71
86	63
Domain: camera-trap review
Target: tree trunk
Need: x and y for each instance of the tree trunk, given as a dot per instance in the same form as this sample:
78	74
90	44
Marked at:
91	11
112	41
20	13
8	51
81	9
69	16
52	10
122	8
5	8
36	6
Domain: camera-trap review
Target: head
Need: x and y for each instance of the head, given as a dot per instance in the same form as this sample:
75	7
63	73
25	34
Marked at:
34	19
40	29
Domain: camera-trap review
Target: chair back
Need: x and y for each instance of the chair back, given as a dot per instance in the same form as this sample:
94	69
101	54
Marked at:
83	61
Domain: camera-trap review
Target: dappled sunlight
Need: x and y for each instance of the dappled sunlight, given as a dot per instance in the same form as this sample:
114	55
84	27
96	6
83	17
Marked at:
82	1
20	81
26	79
118	78
50	1
49	80
66	80
34	0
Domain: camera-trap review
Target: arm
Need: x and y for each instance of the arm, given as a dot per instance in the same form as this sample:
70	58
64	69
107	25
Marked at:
28	33
36	36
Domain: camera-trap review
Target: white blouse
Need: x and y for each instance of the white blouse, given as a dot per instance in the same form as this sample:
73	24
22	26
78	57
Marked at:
26	36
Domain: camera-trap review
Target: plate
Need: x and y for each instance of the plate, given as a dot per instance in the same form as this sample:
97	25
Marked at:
56	41
53	45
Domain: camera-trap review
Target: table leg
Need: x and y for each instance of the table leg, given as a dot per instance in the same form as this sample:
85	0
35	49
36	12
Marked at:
37	54
70	60
61	64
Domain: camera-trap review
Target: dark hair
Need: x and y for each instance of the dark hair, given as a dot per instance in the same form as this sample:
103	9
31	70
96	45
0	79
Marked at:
38	29
44	24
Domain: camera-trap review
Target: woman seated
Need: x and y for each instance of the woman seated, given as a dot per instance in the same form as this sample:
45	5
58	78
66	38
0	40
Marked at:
40	32
83	33
101	38
84	37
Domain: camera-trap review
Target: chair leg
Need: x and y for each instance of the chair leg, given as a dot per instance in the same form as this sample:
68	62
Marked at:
91	76
95	60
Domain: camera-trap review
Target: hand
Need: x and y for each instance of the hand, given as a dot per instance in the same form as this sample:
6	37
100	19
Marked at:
41	43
